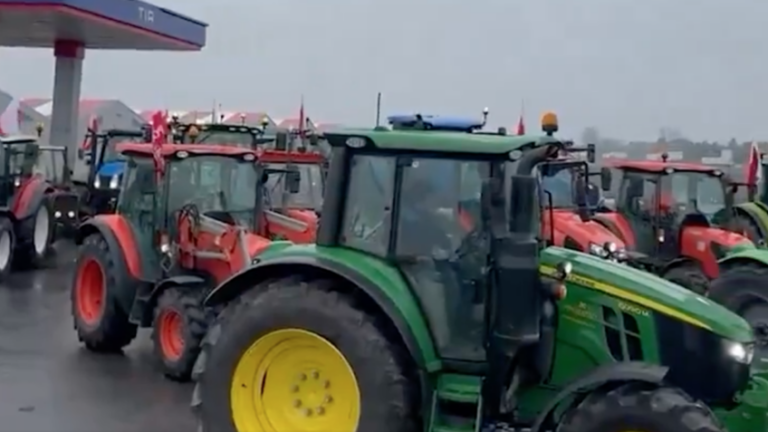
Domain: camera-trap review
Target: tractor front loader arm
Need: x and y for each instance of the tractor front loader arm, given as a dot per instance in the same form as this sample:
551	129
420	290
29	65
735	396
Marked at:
280	226
210	239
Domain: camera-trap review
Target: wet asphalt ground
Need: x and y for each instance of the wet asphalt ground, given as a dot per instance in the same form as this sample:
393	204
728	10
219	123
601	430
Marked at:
49	383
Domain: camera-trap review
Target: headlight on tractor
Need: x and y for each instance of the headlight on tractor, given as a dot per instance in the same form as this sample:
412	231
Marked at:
114	182
596	249
97	183
742	353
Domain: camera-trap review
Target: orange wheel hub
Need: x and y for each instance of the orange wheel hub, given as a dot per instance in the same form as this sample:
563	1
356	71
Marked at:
90	291
171	334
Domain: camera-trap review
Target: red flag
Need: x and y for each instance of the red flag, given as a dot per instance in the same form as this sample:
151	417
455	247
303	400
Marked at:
521	126
93	127
301	117
159	132
752	167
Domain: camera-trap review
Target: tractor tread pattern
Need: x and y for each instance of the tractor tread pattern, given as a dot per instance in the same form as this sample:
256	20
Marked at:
689	276
639	406
115	331
196	319
320	294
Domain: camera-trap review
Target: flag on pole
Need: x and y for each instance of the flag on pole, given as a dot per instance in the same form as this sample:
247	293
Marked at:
521	125
302	126
9	119
159	133
93	128
752	172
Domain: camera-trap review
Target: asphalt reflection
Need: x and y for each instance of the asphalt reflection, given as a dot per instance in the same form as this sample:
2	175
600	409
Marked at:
48	383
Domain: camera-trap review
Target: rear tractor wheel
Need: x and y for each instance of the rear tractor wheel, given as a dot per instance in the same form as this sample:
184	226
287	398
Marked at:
638	407
101	324
179	325
301	357
689	276
7	247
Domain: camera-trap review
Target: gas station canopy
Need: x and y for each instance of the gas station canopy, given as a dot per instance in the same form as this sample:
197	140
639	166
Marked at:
98	24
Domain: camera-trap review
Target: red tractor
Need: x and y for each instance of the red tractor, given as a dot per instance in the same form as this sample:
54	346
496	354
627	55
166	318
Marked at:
294	196
665	212
177	233
38	207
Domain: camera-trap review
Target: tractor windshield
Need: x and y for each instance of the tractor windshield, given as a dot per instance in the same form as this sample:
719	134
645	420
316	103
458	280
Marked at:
698	191
52	164
221	187
21	158
110	153
310	194
558	182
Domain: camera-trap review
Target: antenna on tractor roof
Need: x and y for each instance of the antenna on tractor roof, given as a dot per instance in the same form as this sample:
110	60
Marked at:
378	109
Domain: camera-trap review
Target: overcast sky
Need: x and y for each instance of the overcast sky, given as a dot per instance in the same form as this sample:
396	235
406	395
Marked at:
628	67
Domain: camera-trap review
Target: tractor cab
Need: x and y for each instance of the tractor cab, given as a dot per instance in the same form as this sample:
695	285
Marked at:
201	183
20	156
217	134
665	211
105	168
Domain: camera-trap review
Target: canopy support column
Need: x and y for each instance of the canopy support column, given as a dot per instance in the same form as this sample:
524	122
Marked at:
66	96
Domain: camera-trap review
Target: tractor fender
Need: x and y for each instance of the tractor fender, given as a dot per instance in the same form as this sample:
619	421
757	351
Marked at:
173	281
611	373
119	236
98	226
29	197
246	279
757	213
744	256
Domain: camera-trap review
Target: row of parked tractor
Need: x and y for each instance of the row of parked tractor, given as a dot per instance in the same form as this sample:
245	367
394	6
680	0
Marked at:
426	276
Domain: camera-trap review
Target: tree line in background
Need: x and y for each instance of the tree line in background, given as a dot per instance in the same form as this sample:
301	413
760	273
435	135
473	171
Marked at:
670	140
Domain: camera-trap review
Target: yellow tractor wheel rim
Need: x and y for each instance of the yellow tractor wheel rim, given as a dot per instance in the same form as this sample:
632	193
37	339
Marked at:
294	380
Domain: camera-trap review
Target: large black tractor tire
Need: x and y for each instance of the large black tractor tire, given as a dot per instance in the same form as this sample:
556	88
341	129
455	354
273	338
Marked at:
7	247
743	225
389	397
638	407
744	290
101	324
689	276
35	236
179	325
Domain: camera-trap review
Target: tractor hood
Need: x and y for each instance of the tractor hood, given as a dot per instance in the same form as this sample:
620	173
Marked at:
111	169
649	291
570	224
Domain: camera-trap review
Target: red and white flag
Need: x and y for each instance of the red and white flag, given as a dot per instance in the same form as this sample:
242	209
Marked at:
93	128
521	125
752	172
159	133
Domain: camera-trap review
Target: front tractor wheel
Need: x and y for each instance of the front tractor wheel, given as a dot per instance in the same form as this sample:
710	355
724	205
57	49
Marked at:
7	247
179	325
100	322
36	237
301	357
638	407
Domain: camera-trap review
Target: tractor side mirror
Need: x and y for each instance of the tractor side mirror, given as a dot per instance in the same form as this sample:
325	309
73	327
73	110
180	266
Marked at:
522	206
314	140
281	141
81	153
293	181
582	205
591	150
606	178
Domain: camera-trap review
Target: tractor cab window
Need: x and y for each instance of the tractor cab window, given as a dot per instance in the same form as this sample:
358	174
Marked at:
557	182
442	248
221	187
109	149
51	165
367	217
697	192
137	197
637	195
22	158
310	194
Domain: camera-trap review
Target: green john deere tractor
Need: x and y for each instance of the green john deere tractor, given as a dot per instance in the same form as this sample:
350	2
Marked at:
428	304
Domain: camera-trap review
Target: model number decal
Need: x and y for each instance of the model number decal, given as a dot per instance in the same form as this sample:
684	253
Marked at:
635	310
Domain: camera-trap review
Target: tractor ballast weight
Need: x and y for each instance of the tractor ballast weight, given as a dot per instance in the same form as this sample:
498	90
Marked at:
469	325
176	233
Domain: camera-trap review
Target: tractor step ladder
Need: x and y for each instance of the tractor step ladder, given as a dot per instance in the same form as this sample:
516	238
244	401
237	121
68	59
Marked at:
456	404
